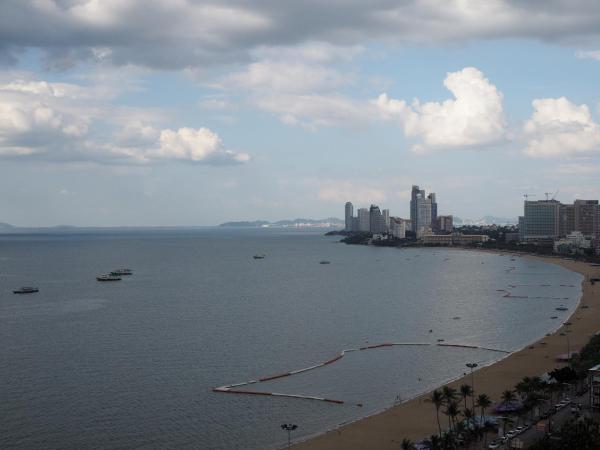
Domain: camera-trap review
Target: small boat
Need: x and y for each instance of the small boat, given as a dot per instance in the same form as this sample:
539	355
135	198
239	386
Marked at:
108	277
121	272
261	256
26	290
324	262
562	308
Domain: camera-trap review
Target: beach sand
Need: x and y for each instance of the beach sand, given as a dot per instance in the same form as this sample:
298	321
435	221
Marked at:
416	419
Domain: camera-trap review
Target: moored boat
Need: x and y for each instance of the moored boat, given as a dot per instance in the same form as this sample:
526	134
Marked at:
26	290
260	256
324	262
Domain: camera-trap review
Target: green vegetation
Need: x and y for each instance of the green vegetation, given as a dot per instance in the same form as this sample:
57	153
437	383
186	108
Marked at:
581	434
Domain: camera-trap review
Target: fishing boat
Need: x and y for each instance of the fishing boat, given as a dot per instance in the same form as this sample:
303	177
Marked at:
324	262
562	308
260	256
108	277
26	290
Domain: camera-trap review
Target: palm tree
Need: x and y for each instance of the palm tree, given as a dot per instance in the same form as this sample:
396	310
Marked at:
483	402
508	397
449	394
407	444
433	442
437	398
452	411
466	391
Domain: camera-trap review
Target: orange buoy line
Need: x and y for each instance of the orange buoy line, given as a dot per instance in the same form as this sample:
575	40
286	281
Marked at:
234	388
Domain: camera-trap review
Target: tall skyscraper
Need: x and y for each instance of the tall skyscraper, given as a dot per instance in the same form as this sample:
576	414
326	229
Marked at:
434	214
386	220
422	210
376	224
541	220
349	213
586	217
364	223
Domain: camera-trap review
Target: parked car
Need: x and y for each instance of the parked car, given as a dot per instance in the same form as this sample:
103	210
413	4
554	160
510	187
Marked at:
494	445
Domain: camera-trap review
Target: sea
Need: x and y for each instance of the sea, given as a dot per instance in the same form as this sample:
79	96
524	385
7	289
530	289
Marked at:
132	364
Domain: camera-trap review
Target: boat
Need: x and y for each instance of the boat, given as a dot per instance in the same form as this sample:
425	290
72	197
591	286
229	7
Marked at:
26	290
121	272
108	277
324	262
562	308
260	256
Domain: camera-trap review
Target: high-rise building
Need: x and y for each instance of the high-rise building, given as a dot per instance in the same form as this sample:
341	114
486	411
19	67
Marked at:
567	219
376	224
431	197
445	224
397	228
386	220
586	217
364	223
541	220
349	213
421	210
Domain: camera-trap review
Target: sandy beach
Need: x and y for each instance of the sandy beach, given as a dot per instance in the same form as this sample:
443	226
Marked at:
416	418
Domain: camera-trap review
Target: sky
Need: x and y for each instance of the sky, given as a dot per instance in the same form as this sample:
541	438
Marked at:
185	112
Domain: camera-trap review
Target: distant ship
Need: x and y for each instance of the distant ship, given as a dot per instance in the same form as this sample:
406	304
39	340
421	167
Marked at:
324	262
121	272
108	277
26	290
261	256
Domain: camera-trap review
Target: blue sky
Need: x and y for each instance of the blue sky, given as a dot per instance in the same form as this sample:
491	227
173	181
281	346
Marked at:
195	113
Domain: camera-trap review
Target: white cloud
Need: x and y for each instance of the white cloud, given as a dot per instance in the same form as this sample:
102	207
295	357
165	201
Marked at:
287	76
559	127
195	145
314	111
588	54
475	117
62	122
339	192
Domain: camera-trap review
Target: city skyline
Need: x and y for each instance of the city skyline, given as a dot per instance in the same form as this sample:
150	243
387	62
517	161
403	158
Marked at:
197	113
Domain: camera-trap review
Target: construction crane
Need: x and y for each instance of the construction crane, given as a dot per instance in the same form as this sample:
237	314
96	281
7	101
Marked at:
553	195
528	195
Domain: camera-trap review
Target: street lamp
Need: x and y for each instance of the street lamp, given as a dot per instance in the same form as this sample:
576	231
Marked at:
472	366
289	427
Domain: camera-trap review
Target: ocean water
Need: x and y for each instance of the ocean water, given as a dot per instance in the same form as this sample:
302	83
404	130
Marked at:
132	364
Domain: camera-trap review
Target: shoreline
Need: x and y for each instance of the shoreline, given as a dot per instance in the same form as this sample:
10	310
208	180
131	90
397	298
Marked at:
415	418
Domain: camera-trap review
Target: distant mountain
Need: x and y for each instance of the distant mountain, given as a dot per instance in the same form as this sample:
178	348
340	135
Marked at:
485	220
253	224
6	226
295	223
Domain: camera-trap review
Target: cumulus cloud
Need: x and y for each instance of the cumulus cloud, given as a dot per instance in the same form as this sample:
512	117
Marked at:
56	122
177	34
474	117
558	127
195	145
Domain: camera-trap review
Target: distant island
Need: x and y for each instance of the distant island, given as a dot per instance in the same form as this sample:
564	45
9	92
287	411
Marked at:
330	222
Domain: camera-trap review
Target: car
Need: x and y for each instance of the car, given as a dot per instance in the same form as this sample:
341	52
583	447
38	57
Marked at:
494	445
511	434
520	429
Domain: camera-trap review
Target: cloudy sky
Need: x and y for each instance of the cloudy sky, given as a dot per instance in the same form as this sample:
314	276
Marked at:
188	112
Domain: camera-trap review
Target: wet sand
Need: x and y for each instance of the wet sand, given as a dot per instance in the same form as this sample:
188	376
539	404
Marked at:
416	418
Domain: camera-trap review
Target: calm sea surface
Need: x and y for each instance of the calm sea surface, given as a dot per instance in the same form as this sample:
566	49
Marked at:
131	364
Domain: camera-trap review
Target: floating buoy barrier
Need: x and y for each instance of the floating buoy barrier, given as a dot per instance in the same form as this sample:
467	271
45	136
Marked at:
234	388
